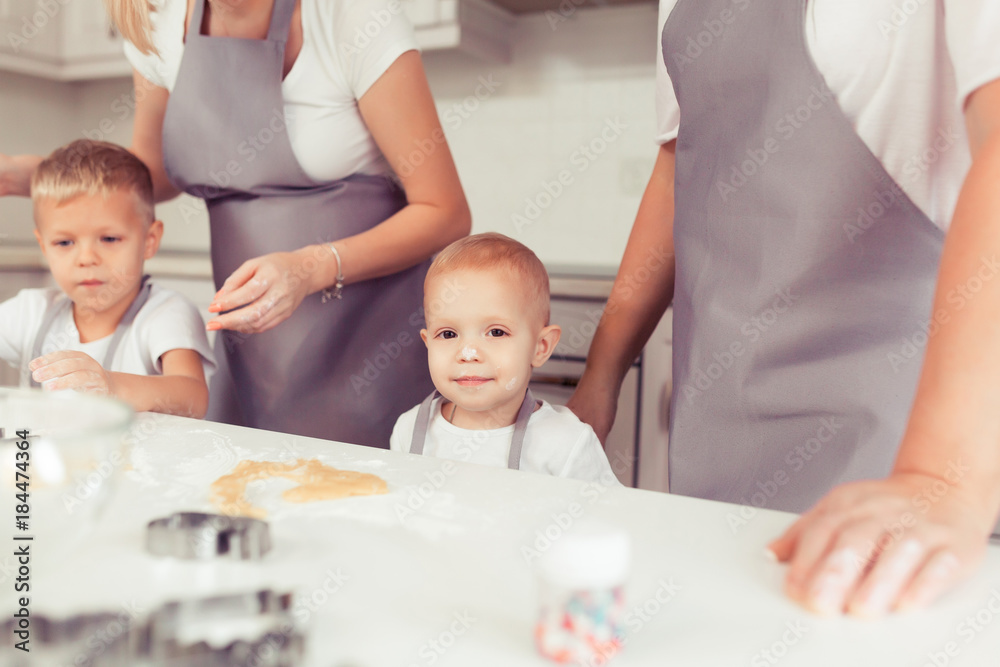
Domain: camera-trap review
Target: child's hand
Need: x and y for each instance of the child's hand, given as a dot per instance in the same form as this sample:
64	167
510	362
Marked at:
71	370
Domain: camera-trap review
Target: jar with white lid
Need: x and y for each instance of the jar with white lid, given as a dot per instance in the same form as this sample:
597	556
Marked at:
581	586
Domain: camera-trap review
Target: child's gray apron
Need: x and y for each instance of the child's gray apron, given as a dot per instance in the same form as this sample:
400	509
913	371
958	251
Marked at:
423	420
57	307
803	271
342	370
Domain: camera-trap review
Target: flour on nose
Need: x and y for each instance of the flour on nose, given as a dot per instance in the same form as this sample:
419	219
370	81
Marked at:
510	385
469	353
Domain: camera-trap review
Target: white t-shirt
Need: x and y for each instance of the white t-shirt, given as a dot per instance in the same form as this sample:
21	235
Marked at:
901	72
347	45
555	443
167	321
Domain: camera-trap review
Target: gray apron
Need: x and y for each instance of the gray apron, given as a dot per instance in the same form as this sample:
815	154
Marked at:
59	305
343	370
422	423
802	270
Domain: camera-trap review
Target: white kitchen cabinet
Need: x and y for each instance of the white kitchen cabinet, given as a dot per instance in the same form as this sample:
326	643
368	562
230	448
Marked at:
73	40
65	40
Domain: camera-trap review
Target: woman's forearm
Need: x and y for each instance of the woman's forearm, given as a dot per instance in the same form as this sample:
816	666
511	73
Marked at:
17	180
644	285
405	239
954	428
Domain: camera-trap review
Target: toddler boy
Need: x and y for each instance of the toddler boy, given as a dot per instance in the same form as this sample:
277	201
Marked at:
486	303
106	329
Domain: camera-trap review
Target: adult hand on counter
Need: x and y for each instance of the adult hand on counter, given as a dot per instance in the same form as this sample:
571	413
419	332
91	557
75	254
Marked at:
68	369
262	292
896	544
596	406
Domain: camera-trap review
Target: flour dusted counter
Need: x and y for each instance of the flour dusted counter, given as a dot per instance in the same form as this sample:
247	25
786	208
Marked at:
437	571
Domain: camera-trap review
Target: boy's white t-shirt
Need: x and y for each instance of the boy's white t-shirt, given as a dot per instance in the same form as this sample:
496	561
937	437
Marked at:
347	45
167	321
555	443
900	71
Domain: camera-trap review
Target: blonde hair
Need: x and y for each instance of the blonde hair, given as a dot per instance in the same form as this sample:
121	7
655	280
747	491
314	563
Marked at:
132	19
493	251
93	167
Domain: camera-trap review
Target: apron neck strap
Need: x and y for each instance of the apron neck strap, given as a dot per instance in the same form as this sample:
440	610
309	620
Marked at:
281	19
516	442
55	308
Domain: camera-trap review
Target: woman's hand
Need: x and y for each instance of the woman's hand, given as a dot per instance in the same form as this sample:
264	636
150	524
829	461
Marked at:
67	369
596	406
15	174
265	291
872	547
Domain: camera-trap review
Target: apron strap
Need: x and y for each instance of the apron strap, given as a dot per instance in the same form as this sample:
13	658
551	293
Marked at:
197	17
137	303
516	441
51	313
56	307
520	428
281	20
420	427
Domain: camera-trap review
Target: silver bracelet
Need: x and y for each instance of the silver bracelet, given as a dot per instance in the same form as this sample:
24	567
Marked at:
337	292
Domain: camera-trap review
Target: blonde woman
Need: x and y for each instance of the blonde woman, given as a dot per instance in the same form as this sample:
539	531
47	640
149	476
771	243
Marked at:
309	129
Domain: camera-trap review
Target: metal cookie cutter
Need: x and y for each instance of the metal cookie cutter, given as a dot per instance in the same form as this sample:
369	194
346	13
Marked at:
96	639
200	536
243	630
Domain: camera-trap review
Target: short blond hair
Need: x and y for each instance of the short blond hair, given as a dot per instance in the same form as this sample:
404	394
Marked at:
87	167
493	251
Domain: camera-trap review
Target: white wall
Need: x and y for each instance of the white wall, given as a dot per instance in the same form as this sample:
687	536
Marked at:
567	83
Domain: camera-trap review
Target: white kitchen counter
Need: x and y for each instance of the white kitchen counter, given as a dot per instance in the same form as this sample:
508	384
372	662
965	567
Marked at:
452	571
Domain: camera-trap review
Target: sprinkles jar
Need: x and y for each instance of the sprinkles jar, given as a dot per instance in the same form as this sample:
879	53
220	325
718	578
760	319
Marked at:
581	580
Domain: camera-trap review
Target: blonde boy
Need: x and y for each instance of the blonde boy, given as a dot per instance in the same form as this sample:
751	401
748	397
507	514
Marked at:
106	329
486	302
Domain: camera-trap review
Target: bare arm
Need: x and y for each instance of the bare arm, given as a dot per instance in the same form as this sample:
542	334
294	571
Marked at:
400	113
147	133
181	390
147	145
634	308
940	503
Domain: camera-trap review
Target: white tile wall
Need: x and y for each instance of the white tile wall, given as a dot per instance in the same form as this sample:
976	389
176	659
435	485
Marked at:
565	82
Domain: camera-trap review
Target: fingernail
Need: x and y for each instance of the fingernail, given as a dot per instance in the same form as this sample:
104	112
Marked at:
212	326
770	555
